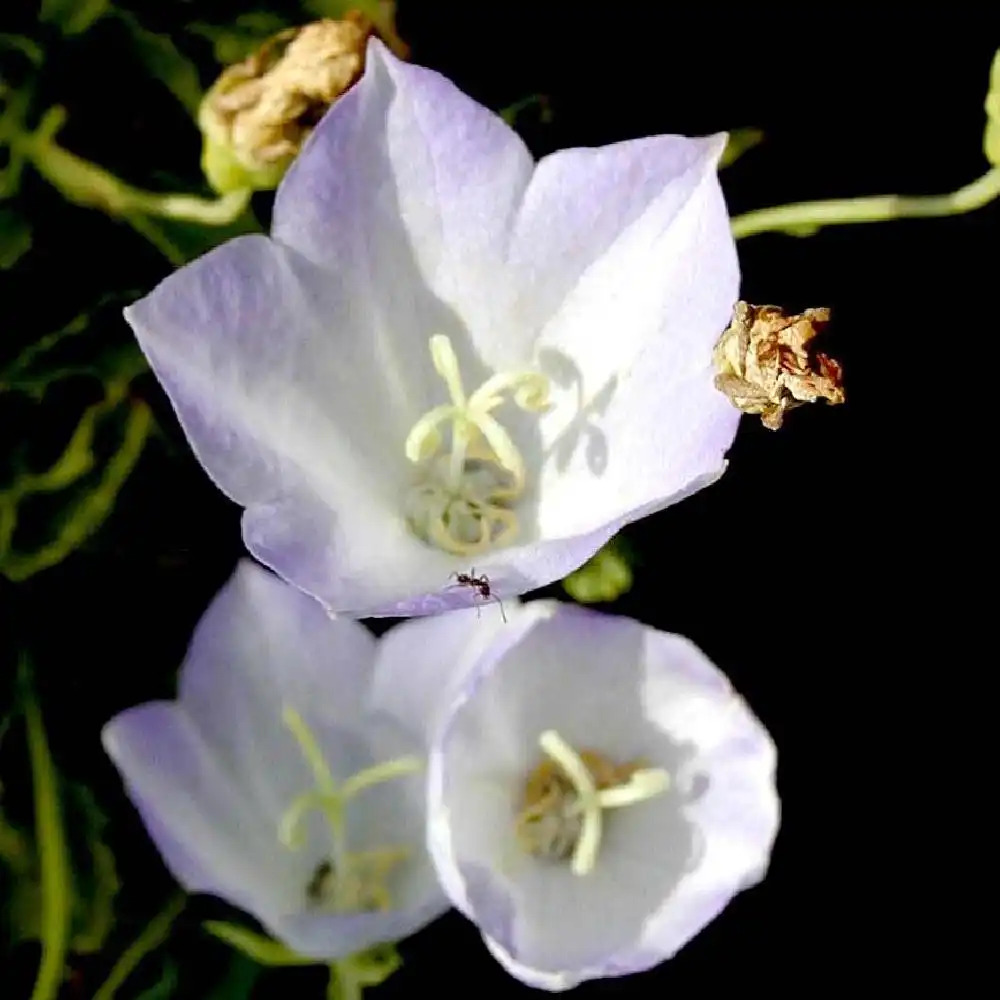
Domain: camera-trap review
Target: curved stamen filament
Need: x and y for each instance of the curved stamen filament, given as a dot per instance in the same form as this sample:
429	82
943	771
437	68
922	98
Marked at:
377	773
590	801
470	417
589	842
643	784
358	878
463	501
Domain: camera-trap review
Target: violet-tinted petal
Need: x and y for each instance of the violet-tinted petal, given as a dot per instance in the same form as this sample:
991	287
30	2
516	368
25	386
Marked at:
636	351
208	831
412	188
267	362
214	774
421	663
262	645
666	866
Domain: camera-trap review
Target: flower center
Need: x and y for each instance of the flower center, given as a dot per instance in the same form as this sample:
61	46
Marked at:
346	881
466	488
565	797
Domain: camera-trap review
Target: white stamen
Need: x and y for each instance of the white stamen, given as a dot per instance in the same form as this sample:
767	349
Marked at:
462	504
356	879
642	784
585	852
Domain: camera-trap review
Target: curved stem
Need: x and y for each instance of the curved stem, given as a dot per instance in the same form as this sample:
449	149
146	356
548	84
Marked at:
91	186
154	934
813	215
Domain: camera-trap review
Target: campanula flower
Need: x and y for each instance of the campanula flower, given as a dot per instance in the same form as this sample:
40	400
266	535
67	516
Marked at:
597	792
275	782
447	358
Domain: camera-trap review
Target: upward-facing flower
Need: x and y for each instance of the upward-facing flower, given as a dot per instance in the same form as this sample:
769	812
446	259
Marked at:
275	781
597	792
447	356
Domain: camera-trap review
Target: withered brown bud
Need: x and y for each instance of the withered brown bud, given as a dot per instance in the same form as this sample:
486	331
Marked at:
262	109
766	363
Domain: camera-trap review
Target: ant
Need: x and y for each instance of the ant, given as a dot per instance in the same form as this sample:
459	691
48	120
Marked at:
480	585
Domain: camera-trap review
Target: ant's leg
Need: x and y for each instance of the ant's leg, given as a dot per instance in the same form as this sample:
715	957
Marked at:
503	614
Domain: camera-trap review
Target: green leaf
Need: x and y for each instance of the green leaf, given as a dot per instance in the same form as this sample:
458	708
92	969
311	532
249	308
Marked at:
263	950
73	17
154	934
15	237
13	107
99	455
234	41
539	102
95	875
81	347
164	986
15	845
606	576
165	62
28	47
239	980
741	140
83	516
91	880
52	854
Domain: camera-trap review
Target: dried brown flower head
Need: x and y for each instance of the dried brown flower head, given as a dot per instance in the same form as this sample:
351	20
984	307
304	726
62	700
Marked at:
262	109
766	363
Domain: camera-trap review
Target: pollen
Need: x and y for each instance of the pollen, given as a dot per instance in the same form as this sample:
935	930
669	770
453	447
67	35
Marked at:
561	816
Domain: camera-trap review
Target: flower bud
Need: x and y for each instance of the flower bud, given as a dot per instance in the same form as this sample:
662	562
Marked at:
258	113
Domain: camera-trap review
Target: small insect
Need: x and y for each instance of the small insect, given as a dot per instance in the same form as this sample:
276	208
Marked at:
481	586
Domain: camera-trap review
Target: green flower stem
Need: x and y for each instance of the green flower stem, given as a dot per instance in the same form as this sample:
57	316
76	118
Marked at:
154	934
807	216
52	856
343	983
91	186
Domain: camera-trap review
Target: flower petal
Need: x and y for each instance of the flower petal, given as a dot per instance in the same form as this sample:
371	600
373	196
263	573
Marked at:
329	936
208	832
632	340
266	361
284	397
411	187
730	783
420	663
628	692
388	815
262	645
373	566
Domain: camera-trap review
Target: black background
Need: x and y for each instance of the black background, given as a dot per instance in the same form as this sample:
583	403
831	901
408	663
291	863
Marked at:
786	572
